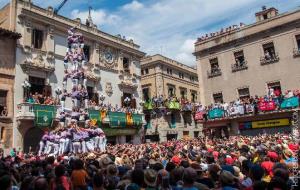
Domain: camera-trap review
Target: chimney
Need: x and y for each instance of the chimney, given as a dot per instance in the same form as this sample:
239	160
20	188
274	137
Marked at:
265	13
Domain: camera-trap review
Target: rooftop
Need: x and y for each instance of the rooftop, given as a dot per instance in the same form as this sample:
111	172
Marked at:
9	34
160	58
243	29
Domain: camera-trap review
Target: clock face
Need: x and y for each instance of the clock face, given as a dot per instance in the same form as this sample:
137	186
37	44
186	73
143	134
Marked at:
109	57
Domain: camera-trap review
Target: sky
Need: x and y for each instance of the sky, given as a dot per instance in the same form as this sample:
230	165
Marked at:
167	27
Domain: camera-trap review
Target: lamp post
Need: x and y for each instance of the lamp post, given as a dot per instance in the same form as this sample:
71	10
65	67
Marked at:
58	92
26	86
101	97
127	101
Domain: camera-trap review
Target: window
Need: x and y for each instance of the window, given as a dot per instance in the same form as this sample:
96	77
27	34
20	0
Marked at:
126	64
244	93
3	100
37	85
192	78
128	138
196	134
147	71
171	91
92	95
265	16
214	65
239	58
298	42
183	93
218	97
269	51
142	71
169	71
275	86
37	39
86	51
146	94
193	96
181	75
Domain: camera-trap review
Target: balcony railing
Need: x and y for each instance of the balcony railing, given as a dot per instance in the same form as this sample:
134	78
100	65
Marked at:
296	52
239	66
264	60
214	73
25	111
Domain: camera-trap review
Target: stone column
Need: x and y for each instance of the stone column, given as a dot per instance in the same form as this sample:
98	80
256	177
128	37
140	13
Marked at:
159	80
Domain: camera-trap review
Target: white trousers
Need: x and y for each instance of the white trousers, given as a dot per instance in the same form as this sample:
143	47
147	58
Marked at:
67	145
49	147
61	149
76	147
90	145
83	147
56	148
64	85
62	103
97	142
42	147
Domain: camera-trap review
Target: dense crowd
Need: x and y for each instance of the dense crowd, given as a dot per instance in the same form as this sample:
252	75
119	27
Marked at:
261	162
247	105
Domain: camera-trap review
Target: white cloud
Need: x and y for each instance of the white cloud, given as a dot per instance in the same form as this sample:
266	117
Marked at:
99	17
133	6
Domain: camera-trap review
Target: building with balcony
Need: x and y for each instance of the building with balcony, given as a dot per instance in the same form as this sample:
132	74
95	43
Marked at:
164	78
245	60
8	41
113	67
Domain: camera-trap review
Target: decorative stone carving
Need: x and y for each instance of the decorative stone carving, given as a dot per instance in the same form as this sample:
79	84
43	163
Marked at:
38	62
50	55
108	56
108	89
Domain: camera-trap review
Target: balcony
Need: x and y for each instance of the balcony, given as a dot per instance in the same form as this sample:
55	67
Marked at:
239	66
264	60
25	112
38	63
92	76
214	73
296	52
127	80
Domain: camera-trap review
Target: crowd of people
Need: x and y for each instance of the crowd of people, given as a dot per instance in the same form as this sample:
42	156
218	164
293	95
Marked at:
262	162
247	105
37	98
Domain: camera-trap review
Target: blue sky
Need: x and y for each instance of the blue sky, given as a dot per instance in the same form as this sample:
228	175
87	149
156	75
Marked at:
169	27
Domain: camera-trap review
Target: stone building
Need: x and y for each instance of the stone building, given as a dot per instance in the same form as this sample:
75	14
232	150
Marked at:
242	61
8	41
246	60
113	64
162	76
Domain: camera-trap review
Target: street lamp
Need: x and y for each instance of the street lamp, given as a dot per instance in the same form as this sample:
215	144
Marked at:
101	97
26	86
58	92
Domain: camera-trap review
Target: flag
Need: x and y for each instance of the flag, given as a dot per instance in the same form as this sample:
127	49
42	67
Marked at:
44	115
95	117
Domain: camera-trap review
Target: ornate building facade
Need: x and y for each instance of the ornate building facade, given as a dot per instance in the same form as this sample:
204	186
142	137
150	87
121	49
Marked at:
163	78
113	64
248	59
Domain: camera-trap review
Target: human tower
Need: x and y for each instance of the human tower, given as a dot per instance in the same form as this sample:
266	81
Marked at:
69	137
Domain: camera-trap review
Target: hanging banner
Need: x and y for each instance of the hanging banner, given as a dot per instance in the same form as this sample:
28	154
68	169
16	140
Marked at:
216	113
292	102
117	119
173	121
95	117
174	105
199	116
270	123
137	119
129	119
44	115
148	105
267	106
